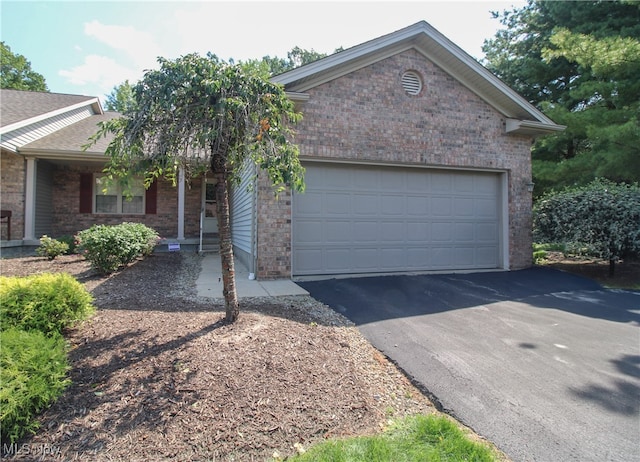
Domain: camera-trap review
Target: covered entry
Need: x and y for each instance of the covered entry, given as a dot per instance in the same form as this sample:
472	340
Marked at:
375	219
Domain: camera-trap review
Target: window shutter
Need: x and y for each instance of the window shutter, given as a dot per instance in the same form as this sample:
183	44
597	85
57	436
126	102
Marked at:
151	199
86	192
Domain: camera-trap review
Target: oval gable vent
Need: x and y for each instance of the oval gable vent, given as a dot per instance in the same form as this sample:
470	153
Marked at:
411	82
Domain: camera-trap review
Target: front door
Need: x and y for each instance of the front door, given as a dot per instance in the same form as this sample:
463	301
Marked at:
209	220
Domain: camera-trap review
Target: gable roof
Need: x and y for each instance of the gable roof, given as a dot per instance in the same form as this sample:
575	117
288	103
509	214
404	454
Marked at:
522	117
68	141
21	108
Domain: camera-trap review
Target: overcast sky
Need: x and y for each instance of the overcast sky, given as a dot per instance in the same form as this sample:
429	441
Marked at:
88	47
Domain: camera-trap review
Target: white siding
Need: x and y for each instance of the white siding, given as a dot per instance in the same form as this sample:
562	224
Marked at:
26	135
242	206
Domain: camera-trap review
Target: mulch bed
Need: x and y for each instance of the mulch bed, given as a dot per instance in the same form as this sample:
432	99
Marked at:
158	375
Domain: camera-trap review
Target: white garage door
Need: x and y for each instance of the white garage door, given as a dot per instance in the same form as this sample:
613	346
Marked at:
369	219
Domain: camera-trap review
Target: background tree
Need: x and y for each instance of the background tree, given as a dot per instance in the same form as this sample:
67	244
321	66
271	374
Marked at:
296	57
601	219
578	62
197	111
17	73
121	98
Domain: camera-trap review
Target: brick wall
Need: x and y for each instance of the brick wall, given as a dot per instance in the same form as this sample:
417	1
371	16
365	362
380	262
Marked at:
12	177
367	116
66	203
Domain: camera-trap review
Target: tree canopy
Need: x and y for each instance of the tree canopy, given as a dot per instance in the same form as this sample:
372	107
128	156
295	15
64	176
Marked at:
121	98
17	73
197	113
578	62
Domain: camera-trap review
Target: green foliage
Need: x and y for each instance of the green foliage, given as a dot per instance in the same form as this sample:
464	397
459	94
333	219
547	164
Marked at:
121	98
51	248
45	302
578	62
110	247
33	371
16	72
601	219
195	109
413	439
71	243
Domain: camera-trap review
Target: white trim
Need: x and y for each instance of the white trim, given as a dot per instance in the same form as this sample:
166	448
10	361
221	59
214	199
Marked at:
30	200
504	205
93	102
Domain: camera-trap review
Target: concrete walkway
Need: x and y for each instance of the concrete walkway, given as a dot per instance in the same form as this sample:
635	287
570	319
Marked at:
209	283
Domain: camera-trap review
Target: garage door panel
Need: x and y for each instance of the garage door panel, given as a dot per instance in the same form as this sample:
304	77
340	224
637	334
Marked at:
365	231
390	232
338	232
365	219
393	259
391	205
441	231
417	206
418	232
441	206
366	259
310	232
337	204
486	208
306	260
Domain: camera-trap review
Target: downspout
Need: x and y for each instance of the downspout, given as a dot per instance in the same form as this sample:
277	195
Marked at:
254	226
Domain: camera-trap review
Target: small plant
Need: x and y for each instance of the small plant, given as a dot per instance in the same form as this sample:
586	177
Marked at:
51	248
110	247
71	242
33	371
45	302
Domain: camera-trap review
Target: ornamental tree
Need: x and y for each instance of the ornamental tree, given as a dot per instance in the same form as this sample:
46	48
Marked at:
601	219
198	113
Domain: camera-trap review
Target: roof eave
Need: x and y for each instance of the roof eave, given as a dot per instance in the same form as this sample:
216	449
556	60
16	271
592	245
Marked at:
434	46
531	128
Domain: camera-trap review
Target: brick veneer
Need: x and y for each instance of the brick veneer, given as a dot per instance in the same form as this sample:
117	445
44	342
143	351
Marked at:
67	219
366	116
12	177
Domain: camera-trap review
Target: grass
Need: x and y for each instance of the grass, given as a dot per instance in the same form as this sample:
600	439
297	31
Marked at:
418	438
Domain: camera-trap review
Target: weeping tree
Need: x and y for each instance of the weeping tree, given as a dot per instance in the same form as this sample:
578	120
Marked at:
197	113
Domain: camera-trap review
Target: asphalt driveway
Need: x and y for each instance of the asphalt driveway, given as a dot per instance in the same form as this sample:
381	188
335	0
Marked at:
543	363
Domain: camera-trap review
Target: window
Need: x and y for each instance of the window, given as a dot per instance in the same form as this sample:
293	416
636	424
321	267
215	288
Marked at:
109	198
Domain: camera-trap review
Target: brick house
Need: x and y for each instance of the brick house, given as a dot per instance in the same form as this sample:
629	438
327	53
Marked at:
417	159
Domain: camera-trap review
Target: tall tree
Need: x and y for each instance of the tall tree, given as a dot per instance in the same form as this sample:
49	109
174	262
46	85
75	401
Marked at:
296	57
121	98
200	110
17	73
578	62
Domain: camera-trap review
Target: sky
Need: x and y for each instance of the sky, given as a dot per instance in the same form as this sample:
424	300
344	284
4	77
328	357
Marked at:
88	47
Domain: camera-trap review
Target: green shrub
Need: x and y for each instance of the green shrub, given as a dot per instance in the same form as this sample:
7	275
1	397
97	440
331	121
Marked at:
110	247
33	371
539	256
71	242
51	248
45	302
600	219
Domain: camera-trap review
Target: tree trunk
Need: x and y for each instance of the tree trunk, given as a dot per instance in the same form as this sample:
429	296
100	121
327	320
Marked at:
612	267
224	232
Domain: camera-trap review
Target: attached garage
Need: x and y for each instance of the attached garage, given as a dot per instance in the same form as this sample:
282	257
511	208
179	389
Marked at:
356	218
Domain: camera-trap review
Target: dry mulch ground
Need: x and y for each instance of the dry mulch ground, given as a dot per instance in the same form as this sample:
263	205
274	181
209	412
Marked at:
157	374
626	273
